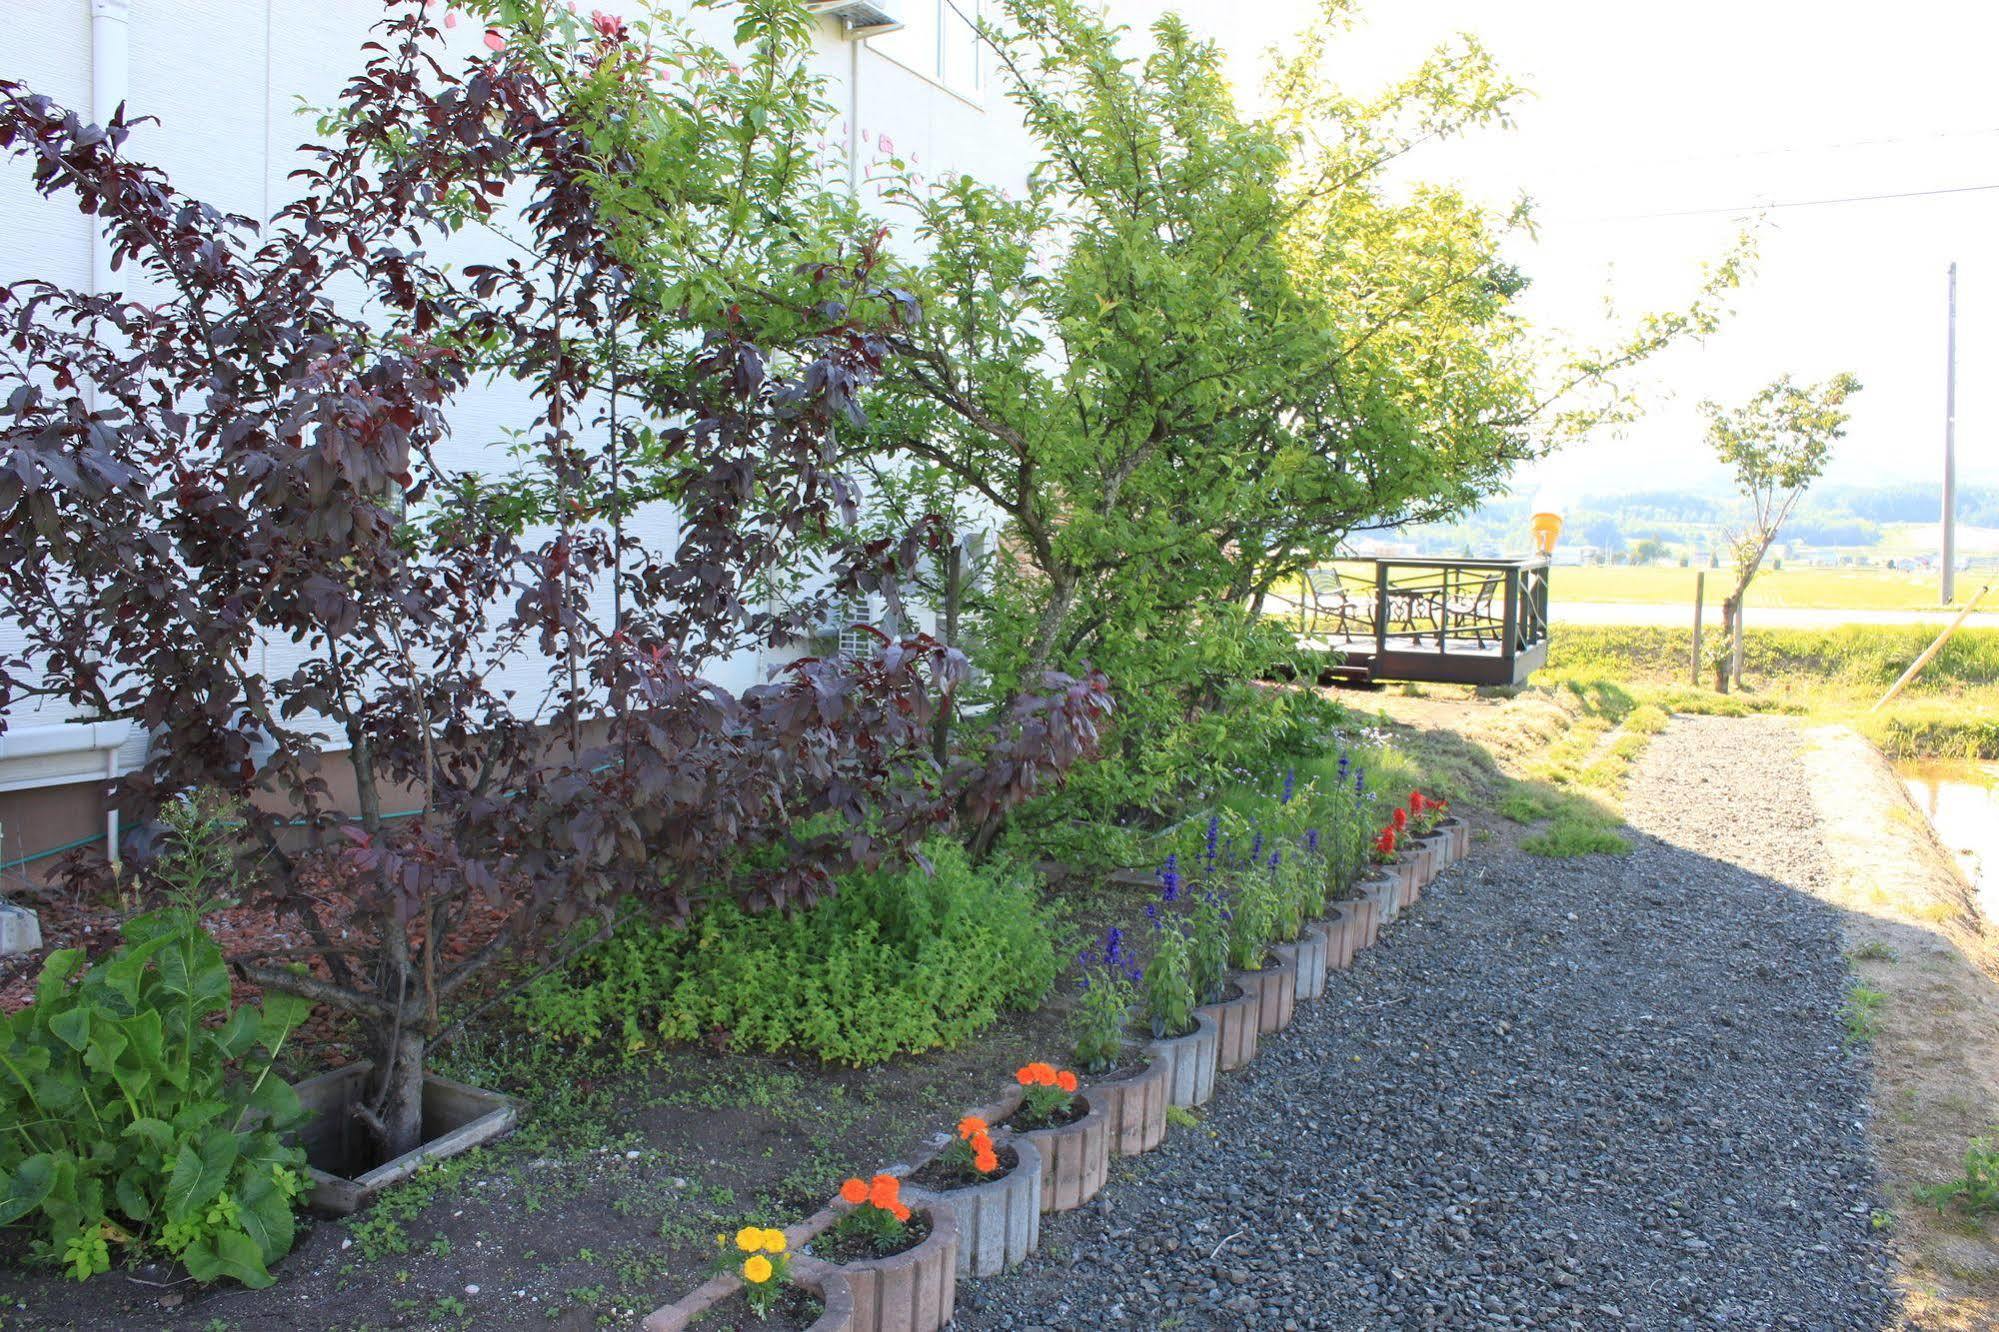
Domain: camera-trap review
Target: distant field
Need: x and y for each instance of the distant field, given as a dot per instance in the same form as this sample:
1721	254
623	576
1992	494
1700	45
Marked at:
1815	589
1951	711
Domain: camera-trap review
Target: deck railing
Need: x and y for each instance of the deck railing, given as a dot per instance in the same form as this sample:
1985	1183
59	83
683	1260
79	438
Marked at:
1479	621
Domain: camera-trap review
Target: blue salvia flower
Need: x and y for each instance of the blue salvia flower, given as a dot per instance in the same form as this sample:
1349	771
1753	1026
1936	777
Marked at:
1312	839
1152	913
1114	947
1136	975
1256	848
1275	858
1169	880
1345	763
1290	785
1214	836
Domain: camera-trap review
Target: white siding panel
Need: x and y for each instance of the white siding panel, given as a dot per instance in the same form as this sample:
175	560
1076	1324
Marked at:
225	79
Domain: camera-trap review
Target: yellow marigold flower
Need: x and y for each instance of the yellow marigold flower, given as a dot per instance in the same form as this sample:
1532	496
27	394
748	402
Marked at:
773	1240
749	1239
756	1269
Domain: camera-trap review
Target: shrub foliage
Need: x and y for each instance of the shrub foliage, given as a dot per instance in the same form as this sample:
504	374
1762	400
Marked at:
898	960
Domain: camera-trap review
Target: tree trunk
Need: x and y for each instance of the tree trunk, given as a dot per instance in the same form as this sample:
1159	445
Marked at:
954	596
399	1051
1735	650
1721	666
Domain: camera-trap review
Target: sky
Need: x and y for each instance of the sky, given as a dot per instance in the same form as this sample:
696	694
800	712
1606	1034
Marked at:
1655	133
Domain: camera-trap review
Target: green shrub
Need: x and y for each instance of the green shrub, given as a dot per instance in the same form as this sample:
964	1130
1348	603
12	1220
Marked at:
135	1119
1977	1190
896	961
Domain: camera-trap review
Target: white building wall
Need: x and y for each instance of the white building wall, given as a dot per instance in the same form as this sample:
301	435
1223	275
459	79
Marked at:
225	79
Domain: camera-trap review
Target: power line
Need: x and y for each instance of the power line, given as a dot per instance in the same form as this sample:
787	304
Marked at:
1781	150
1797	203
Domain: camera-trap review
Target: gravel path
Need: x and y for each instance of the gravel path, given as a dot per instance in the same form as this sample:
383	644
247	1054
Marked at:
1595	1093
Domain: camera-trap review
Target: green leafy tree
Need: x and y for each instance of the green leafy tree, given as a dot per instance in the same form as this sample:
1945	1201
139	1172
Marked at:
1777	444
1204	348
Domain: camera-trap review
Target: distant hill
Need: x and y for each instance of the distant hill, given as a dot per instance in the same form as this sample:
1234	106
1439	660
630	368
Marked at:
1649	524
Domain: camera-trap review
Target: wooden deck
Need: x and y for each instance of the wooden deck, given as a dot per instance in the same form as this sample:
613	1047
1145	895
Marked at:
1442	621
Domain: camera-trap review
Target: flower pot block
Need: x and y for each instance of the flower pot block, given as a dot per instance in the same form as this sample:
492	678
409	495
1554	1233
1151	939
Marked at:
999	1221
821	1279
456	1118
1276	991
1458	833
1311	955
1075	1157
1190	1061
1236	1020
1344	934
1415	868
1384	888
1437	845
1363	918
1135	1105
914	1291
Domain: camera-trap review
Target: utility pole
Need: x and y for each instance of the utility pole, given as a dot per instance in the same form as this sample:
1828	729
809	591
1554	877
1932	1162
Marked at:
1950	448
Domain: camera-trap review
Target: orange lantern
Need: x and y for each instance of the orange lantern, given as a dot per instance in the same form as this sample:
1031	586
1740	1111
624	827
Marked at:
1547	527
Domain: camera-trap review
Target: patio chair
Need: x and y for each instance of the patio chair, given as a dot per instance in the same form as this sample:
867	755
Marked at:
1471	600
1328	593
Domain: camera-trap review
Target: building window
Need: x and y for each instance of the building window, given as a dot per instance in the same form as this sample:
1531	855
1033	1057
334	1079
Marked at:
938	41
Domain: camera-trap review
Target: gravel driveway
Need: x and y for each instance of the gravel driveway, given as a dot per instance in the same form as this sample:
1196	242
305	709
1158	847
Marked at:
1596	1093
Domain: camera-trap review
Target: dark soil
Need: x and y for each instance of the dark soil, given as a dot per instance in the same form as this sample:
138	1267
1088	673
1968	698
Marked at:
605	1203
842	1244
794	1310
1020	1122
941	1176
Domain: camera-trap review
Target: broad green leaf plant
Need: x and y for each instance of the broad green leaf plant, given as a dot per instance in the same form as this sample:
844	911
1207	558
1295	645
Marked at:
142	1112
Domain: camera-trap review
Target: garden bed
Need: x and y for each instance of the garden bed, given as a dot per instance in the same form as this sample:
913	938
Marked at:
606	1200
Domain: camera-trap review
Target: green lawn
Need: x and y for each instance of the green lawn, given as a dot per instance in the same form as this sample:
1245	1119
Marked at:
1817	589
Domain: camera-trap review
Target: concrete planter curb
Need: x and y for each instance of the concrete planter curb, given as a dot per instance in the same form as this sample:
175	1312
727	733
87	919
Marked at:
1276	991
1135	1104
1191	1061
1383	886
999	1220
456	1118
1310	954
916	1291
1416	873
1346	932
1364	920
821	1279
1236	1020
1437	855
1458	834
1075	1157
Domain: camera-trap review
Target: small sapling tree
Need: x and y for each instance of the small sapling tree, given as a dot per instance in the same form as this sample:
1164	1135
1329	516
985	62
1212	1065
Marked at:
1777	444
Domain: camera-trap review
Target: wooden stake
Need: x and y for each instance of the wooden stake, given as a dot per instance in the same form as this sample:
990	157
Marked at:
1930	651
1700	597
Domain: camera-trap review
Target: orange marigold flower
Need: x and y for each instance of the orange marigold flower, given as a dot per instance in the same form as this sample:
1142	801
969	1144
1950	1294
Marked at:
1024	1075
971	1126
1066	1080
854	1191
900	1212
986	1161
885	1191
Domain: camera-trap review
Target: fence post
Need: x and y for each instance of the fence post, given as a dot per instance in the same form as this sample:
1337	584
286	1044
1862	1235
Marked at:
1380	611
1700	596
